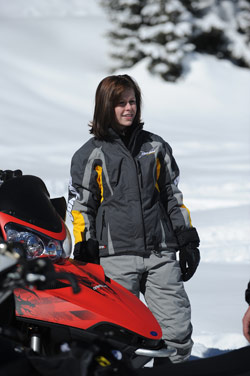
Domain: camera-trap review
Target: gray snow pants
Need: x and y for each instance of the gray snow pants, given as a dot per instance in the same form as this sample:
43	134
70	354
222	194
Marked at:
163	291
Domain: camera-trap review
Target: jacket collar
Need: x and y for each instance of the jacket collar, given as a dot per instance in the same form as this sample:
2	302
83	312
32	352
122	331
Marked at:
132	131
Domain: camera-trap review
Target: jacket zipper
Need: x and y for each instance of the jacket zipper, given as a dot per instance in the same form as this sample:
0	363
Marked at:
103	223
129	151
140	173
139	179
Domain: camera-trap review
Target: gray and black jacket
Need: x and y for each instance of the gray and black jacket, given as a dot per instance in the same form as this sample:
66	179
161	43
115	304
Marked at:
126	197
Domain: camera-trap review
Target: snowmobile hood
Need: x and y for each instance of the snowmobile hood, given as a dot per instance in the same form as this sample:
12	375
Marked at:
100	301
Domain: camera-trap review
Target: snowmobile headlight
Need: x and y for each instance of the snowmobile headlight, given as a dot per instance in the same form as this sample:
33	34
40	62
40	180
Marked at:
32	243
53	248
37	244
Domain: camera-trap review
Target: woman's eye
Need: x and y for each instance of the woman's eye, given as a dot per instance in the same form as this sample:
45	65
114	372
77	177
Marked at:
123	103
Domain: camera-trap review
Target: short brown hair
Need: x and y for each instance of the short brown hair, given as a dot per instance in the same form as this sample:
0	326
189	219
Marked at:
107	96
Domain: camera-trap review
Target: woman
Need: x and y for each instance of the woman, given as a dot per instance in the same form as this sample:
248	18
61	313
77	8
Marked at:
127	210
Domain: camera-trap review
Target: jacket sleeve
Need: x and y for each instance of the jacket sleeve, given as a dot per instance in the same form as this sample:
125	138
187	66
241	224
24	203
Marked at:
84	195
172	199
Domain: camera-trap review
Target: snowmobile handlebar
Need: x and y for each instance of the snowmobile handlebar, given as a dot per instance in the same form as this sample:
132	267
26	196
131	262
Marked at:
44	279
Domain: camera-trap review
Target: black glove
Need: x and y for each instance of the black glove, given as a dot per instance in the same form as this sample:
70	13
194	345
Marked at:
9	174
189	258
87	251
188	236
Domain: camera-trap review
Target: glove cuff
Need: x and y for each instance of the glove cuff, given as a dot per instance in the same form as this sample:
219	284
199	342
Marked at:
79	250
188	236
87	251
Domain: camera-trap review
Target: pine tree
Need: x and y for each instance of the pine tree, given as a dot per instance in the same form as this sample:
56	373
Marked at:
126	17
165	31
222	28
164	37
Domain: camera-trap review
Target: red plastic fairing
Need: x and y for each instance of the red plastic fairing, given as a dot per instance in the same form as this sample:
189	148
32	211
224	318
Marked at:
99	301
6	218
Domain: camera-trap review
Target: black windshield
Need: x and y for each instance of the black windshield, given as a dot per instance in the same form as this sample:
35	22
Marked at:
27	198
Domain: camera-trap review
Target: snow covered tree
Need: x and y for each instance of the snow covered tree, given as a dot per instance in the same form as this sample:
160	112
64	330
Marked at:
222	28
165	31
127	19
164	37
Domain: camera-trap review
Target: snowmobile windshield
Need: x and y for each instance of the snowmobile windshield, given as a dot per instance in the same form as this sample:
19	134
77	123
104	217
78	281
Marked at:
26	198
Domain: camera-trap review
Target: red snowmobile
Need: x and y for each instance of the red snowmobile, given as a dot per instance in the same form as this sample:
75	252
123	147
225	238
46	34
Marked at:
56	316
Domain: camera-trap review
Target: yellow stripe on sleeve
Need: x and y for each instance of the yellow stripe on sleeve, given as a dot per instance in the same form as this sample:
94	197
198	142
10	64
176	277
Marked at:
158	169
78	226
99	180
189	216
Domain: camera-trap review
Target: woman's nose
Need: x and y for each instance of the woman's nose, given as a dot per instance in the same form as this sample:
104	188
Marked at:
128	106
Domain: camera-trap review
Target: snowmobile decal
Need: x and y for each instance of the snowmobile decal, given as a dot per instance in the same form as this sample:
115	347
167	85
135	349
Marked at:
21	305
95	285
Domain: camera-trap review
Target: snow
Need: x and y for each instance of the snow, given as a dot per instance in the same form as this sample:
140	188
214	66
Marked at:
51	61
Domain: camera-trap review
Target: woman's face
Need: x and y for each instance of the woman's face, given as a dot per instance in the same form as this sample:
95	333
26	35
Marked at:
126	108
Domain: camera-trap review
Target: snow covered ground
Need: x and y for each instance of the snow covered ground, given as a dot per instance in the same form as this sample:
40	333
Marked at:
51	60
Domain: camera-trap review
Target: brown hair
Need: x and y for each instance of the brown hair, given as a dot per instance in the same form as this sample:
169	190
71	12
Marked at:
107	96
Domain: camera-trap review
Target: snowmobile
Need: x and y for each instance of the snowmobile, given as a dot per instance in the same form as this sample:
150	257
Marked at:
17	359
55	316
